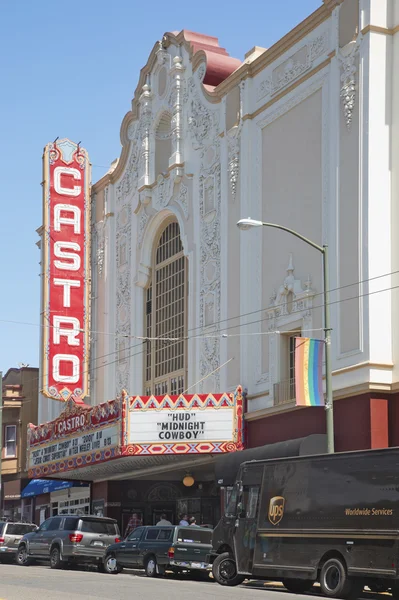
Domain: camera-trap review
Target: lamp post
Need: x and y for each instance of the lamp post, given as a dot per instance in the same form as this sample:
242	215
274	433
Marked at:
245	224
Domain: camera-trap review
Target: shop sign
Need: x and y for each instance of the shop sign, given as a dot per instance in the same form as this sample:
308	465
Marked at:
66	271
189	424
79	437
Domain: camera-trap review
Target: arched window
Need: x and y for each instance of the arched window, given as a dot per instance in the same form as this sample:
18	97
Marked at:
165	317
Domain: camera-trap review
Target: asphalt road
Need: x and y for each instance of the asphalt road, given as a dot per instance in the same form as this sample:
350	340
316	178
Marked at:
43	583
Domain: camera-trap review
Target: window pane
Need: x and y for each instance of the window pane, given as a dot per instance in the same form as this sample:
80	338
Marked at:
70	524
194	535
93	526
54	525
136	535
152	534
252	506
10	441
19	528
165	534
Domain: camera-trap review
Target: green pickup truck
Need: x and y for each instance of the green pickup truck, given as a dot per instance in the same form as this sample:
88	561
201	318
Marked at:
160	549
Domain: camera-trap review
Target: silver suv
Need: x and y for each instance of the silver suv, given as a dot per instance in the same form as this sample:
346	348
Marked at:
11	533
69	539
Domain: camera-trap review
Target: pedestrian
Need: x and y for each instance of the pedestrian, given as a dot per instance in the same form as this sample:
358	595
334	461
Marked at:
164	521
134	522
184	520
193	522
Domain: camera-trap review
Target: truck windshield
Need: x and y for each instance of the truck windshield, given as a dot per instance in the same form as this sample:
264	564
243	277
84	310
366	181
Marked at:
231	504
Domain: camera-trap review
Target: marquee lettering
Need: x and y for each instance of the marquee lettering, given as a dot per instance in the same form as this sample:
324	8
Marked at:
67	270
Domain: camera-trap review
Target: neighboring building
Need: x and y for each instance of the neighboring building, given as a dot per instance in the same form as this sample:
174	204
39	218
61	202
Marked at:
20	402
304	134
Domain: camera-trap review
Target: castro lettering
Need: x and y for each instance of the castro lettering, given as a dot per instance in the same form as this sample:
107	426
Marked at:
71	424
66	269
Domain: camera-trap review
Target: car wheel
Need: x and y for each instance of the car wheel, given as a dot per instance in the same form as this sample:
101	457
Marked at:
151	567
22	558
298	586
109	566
334	580
224	570
55	558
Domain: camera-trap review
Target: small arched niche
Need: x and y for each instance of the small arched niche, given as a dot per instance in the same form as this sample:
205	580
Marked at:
163	144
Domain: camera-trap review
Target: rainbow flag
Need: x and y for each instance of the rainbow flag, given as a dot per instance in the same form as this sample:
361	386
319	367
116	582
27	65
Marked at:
308	372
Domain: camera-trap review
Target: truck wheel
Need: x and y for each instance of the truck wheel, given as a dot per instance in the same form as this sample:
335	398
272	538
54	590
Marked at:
298	586
22	558
55	559
151	567
334	580
224	570
110	565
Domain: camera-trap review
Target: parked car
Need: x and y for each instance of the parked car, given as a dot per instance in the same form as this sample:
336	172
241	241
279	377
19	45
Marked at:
11	533
157	549
69	539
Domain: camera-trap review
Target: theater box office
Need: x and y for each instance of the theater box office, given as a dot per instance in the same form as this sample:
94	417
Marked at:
143	454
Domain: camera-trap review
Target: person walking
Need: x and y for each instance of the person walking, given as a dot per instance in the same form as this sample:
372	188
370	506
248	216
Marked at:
133	523
184	520
164	521
193	522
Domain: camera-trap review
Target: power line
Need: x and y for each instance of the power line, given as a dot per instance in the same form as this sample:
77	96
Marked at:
115	334
252	323
222	335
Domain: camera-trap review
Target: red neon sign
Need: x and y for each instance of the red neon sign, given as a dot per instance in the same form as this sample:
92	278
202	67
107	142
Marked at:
66	271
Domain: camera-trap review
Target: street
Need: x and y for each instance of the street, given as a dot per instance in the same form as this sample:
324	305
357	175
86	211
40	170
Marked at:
43	583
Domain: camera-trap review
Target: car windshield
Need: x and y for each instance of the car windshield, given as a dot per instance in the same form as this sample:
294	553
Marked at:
194	535
20	528
96	526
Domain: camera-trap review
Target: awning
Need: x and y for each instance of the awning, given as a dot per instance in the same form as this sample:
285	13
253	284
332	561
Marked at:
45	486
226	466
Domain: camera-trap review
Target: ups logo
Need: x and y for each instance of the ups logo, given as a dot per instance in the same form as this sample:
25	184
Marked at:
276	509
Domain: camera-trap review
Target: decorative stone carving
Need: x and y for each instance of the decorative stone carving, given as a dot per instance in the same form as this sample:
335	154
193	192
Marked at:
201	72
164	191
100	253
129	180
132	131
293	67
291	298
210	261
233	144
143	220
182	199
202	120
348	88
162	54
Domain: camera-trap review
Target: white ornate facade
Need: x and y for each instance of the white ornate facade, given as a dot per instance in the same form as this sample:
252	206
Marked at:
303	134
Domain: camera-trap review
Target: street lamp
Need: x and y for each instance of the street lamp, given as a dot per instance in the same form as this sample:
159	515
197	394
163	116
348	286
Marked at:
245	224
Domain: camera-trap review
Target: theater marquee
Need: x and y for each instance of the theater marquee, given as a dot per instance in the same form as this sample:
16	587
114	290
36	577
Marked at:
66	271
132	427
189	424
81	436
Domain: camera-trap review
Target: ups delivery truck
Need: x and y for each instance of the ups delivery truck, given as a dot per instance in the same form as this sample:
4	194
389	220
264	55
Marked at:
327	518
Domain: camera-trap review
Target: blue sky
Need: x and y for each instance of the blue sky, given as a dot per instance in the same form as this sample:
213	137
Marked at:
71	72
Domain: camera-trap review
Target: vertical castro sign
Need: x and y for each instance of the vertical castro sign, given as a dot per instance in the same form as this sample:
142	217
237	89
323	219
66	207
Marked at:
66	271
